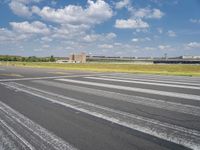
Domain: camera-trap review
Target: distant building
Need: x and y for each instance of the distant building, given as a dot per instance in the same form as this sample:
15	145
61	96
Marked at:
77	58
190	57
62	61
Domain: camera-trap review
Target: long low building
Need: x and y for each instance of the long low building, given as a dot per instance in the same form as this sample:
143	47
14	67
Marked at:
176	61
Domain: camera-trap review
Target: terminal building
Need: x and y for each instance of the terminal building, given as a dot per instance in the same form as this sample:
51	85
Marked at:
77	58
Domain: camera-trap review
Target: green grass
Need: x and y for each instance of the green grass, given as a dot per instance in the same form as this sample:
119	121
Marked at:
186	70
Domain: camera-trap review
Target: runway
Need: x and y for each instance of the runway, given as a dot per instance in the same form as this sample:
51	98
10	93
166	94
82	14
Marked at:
59	109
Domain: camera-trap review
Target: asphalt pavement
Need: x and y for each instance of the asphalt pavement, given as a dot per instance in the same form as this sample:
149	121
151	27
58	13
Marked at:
58	109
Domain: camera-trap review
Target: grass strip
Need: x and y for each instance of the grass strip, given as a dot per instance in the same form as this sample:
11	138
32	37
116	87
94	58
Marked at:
162	69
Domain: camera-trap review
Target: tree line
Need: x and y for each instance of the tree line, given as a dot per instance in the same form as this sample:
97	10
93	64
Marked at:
27	59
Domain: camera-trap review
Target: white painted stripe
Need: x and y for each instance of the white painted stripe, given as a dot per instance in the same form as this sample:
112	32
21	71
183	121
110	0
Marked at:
146	83
9	141
173	133
41	78
141	90
17	135
161	77
151	80
171	106
157	75
45	135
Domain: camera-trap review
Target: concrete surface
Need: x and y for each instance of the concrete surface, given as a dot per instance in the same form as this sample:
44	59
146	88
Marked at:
57	109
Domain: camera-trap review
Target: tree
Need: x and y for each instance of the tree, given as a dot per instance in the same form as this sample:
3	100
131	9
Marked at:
52	59
14	58
23	59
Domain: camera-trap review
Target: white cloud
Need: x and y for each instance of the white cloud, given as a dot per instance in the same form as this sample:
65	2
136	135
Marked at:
106	46
193	45
156	13
68	29
171	33
90	38
131	24
164	2
148	13
197	21
99	37
141	39
46	39
146	39
164	47
111	35
9	36
26	27
6	35
20	9
122	4
95	13
118	44
135	40
35	9
74	20
143	30
136	21
98	11
45	46
149	48
160	30
27	1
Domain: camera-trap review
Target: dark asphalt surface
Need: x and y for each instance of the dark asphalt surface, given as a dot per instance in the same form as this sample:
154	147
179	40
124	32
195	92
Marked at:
87	132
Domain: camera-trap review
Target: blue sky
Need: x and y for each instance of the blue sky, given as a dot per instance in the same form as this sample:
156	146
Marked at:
100	27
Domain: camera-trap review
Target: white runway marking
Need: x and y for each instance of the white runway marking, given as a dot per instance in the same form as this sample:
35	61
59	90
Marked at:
17	135
151	80
60	73
171	106
7	140
160	77
147	83
56	142
141	90
173	133
41	78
